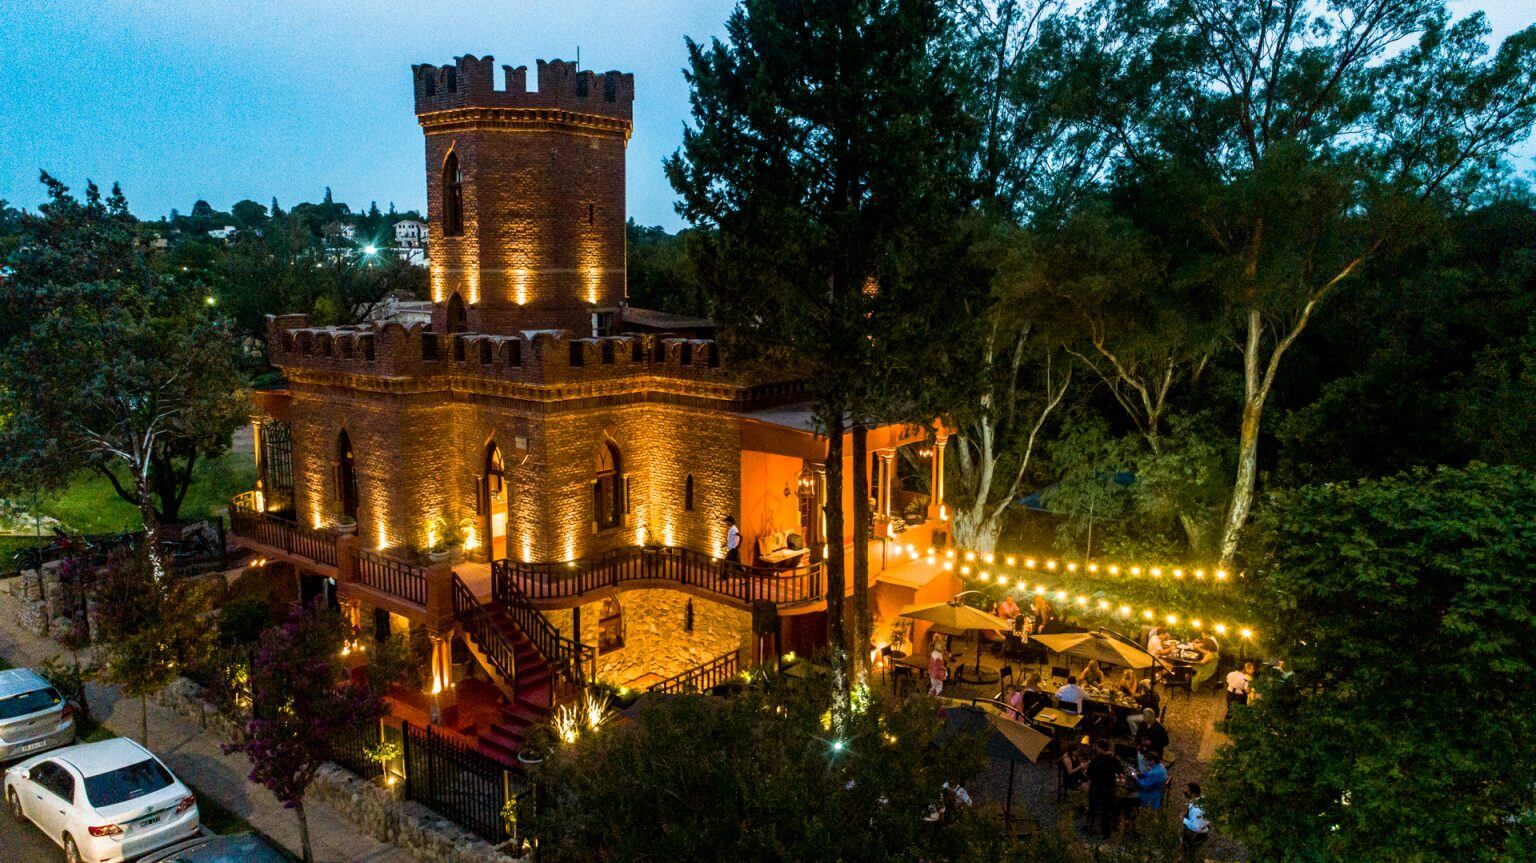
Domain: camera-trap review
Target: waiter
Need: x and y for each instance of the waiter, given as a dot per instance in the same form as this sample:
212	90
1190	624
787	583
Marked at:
732	541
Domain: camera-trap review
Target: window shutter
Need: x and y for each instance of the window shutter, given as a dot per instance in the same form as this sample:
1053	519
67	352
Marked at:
626	494
480	496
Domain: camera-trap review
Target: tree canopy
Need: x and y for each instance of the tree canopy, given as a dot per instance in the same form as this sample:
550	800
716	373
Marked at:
1401	728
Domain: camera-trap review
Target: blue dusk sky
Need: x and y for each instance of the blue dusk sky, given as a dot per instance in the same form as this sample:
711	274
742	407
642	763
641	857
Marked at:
230	99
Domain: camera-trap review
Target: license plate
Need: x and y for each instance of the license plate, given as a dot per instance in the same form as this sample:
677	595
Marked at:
144	823
31	747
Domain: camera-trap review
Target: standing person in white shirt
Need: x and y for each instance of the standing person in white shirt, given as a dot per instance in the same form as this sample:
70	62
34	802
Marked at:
732	541
1197	828
1238	681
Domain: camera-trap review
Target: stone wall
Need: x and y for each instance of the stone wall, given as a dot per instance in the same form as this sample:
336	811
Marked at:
41	605
655	641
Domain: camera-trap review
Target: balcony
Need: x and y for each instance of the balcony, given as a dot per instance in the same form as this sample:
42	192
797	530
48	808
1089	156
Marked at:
280	538
554	585
388	582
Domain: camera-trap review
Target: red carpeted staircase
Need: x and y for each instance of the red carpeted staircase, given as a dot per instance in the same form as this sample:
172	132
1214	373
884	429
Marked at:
528	694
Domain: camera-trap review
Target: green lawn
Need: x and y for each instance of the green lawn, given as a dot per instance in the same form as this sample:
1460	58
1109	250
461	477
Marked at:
91	505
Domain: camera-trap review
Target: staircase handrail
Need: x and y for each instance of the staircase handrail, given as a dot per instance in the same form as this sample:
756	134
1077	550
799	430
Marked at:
565	655
477	621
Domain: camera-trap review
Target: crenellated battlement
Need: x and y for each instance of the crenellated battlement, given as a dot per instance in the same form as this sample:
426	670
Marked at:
535	357
471	83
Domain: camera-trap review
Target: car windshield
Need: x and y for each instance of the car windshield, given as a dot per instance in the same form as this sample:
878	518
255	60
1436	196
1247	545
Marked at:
126	783
12	706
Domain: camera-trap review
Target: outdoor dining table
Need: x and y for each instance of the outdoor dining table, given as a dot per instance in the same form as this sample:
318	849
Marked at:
1058	719
1109	697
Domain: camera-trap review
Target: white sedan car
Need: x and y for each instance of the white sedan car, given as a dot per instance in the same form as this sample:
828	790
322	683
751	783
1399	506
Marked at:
102	802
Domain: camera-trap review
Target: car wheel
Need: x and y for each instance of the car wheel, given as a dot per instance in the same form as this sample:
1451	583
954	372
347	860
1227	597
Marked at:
71	853
13	803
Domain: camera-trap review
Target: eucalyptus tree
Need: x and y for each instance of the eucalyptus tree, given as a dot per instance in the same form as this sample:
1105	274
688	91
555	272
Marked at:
1287	144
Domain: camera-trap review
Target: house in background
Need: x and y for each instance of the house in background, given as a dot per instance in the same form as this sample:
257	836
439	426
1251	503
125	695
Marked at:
411	241
533	477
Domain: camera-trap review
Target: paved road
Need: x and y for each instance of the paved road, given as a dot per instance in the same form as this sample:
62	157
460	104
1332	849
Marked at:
23	843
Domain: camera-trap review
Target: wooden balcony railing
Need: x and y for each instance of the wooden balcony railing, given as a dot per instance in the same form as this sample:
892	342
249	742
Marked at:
246	520
702	678
395	577
747	584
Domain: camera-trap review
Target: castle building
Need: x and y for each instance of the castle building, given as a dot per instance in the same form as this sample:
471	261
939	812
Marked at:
536	482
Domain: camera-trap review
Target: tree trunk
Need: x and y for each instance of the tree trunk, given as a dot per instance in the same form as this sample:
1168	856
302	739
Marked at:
1255	388
144	719
85	722
861	538
151	526
837	635
298	809
1247	475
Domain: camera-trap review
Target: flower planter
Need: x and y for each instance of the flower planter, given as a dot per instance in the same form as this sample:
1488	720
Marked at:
437	556
345	528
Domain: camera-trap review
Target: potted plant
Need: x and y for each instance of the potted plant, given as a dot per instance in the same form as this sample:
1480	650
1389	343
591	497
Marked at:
344	523
439	545
537	746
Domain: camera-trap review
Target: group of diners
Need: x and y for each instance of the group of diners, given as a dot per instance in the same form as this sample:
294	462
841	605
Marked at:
1129	692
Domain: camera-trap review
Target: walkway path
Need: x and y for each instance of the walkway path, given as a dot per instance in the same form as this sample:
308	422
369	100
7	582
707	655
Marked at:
193	754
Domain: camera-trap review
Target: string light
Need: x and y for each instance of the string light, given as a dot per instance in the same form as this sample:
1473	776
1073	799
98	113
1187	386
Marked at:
1083	601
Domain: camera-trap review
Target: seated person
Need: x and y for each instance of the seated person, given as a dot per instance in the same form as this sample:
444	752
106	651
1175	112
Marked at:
1074	767
1008	609
1093	675
1032	682
1146	696
1071	696
1129	682
1043	613
1015	701
1159	643
1151	736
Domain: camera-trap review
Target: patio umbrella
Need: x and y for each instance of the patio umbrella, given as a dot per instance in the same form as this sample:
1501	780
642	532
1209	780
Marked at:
956	616
1094	645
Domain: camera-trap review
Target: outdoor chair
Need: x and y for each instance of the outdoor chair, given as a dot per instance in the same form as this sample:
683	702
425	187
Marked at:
1060	672
1004	677
1072	707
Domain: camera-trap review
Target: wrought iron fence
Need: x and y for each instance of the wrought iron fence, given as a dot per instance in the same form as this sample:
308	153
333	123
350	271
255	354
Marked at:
457	782
467	787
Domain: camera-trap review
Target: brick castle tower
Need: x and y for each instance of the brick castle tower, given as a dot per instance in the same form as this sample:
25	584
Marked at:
525	195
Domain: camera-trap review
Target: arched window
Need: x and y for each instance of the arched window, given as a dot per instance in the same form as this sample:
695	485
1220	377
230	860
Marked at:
453	197
610	626
346	477
458	318
608	492
688	494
